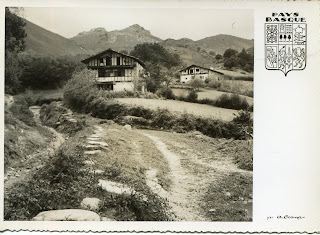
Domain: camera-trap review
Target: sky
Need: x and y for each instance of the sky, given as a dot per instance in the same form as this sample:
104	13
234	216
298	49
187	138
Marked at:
164	23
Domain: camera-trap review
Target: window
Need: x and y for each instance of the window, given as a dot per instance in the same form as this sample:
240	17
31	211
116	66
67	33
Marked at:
101	60
101	72
197	70
108	61
191	71
118	60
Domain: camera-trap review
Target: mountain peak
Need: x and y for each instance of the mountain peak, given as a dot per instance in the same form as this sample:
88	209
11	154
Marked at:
99	29
135	26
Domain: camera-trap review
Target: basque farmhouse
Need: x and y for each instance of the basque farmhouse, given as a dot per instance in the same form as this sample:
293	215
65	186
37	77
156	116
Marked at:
115	71
196	71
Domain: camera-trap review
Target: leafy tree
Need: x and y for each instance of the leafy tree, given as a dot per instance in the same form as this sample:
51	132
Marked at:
159	64
229	53
218	57
14	43
13	73
156	54
46	73
230	63
14	32
197	83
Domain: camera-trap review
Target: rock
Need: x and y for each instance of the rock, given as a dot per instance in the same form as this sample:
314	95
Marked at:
90	203
104	144
212	210
114	187
97	171
198	136
89	162
93	138
72	120
228	194
92	152
127	127
107	219
67	215
92	147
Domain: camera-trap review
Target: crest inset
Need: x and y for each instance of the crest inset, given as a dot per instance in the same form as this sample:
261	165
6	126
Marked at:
285	46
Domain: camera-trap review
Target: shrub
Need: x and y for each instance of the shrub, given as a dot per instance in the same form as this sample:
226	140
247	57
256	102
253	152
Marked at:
197	83
22	112
30	98
166	93
192	96
232	101
213	83
78	88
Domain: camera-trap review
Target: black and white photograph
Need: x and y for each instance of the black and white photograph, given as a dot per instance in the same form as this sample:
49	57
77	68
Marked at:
171	116
127	115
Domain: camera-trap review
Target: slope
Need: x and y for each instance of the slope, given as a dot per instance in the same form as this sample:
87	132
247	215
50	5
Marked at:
43	41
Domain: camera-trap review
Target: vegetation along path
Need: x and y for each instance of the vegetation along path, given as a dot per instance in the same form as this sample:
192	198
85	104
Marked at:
21	172
196	165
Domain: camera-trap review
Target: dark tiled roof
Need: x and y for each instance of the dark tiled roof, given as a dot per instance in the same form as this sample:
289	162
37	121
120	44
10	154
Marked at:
101	53
193	65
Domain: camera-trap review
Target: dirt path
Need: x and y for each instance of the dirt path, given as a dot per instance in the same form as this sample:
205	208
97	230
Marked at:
191	175
181	199
35	160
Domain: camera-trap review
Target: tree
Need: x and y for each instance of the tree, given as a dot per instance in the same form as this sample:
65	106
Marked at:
159	63
230	63
197	83
218	57
14	32
14	43
230	53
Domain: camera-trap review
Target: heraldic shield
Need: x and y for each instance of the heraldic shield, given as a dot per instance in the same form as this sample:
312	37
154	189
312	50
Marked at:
285	46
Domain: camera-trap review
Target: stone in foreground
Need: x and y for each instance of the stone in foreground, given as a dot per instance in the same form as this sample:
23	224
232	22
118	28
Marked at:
114	187
97	171
67	215
90	203
89	162
104	144
92	152
127	127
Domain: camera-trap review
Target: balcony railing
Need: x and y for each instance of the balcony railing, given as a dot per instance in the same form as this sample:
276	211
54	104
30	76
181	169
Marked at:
114	79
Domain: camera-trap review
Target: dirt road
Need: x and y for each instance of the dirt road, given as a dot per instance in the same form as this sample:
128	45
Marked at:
193	171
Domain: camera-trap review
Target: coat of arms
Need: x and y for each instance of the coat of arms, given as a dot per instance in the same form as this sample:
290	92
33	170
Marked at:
285	46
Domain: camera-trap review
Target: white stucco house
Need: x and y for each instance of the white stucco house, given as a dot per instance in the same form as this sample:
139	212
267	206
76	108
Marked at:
114	70
196	71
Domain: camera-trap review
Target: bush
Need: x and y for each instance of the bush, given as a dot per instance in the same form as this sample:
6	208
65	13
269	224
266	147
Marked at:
30	98
197	83
192	96
232	101
22	112
166	93
213	83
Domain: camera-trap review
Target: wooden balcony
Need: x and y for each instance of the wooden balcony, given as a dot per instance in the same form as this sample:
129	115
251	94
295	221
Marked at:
113	79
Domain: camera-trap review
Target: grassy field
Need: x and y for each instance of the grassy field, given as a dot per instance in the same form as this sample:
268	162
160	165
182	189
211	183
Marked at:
183	107
207	94
238	87
237	74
